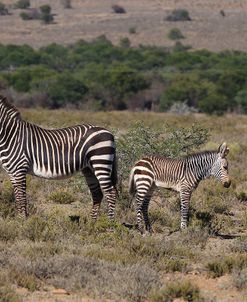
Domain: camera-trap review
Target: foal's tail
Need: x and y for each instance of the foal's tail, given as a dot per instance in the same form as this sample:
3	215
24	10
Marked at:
132	187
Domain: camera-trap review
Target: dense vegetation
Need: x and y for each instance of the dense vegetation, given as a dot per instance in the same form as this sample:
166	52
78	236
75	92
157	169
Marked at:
100	76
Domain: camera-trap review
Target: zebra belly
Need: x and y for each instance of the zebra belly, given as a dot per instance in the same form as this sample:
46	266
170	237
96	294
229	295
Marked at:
168	185
43	173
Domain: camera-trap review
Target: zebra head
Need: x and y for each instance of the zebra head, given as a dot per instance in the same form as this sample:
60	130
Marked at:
220	166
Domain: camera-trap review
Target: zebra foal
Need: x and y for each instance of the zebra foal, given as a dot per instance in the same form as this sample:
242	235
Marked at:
26	148
182	175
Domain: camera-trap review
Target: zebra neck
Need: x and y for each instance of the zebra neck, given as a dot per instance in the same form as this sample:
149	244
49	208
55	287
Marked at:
201	165
9	130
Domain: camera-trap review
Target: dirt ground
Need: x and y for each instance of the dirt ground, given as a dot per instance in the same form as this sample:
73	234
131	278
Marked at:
89	19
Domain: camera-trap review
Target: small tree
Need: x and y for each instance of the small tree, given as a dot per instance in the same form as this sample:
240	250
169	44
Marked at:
22	4
118	9
66	3
46	15
179	15
175	34
3	10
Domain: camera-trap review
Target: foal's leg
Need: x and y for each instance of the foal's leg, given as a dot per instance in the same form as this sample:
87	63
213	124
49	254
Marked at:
142	202
145	209
95	190
18	181
185	195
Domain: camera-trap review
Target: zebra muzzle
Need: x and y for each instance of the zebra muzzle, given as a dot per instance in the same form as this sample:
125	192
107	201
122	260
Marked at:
227	184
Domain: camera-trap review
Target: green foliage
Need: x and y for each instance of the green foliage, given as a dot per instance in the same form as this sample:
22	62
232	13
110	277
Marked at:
241	100
25	16
22	4
141	140
64	89
175	34
213	104
122	77
174	290
179	15
46	15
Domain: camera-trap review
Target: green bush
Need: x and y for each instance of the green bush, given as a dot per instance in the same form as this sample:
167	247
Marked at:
141	140
25	16
179	15
65	89
22	4
175	34
3	10
174	290
213	104
46	15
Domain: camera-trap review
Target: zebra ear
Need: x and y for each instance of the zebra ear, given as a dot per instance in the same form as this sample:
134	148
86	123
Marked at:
223	150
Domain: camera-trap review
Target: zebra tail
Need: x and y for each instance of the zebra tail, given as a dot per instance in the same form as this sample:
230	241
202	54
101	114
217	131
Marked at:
132	183
114	177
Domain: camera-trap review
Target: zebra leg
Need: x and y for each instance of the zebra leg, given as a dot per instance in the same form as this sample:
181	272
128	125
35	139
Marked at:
184	198
95	190
19	184
111	196
145	210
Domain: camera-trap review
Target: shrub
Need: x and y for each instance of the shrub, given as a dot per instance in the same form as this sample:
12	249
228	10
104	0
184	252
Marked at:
226	265
62	196
3	10
125	42
24	280
118	9
241	101
132	30
174	290
22	4
142	140
66	3
46	15
179	15
7	294
213	104
65	89
45	9
175	34
26	16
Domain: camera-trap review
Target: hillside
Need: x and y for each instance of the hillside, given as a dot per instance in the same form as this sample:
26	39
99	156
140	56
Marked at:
216	25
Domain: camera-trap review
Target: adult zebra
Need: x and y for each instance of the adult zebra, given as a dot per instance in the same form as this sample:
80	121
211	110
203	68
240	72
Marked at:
182	175
26	148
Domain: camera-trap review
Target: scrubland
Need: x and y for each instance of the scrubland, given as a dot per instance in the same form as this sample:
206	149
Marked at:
52	256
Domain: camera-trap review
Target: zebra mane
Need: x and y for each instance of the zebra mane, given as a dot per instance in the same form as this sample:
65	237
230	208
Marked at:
201	154
11	109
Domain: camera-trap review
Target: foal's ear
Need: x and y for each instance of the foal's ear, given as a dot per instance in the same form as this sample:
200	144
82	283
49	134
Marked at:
223	150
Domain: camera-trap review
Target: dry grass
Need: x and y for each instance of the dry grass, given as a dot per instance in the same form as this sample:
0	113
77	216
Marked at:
50	250
88	19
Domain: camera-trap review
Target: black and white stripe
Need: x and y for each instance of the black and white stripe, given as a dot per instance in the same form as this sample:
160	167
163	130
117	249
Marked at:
29	149
182	175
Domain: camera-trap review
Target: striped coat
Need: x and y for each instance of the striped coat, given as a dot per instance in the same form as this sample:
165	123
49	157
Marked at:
182	175
26	148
